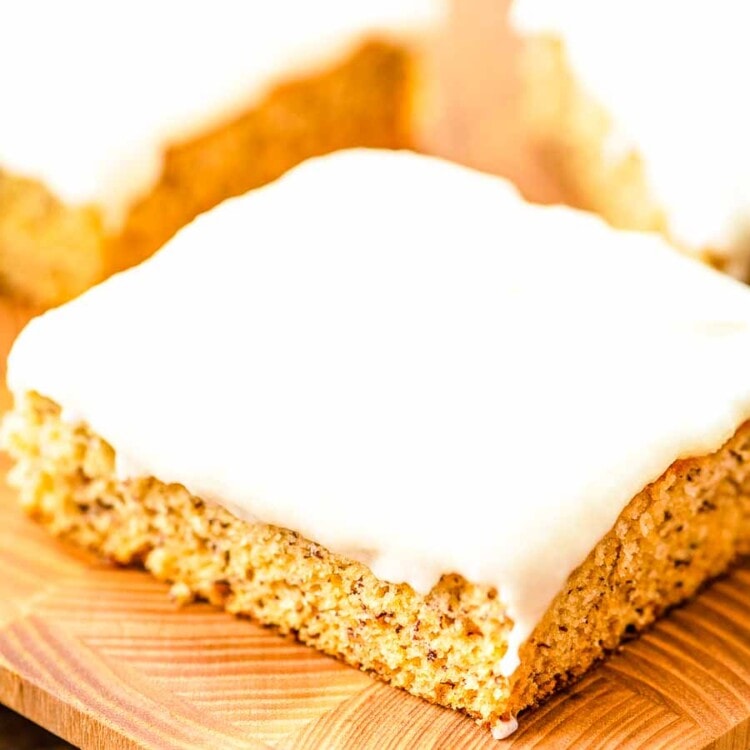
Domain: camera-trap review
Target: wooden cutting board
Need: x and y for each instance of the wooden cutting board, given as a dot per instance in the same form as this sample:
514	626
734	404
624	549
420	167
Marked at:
100	656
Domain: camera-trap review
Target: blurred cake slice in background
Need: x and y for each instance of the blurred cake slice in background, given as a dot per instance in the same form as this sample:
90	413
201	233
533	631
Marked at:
121	122
639	110
466	443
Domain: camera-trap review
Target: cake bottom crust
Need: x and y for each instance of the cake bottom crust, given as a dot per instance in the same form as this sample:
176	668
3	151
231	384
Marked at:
446	646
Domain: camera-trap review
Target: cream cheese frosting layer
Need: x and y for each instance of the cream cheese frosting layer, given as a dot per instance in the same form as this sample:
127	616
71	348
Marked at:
403	361
91	93
673	77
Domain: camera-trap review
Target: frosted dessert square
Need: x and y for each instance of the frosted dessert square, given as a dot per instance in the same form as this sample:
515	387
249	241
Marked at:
465	443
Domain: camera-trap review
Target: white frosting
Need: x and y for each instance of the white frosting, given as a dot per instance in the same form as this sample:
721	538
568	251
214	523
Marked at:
503	729
92	93
673	78
392	354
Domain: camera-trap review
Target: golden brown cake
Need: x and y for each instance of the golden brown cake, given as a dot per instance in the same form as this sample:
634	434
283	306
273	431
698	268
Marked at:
638	127
571	130
445	646
74	209
403	445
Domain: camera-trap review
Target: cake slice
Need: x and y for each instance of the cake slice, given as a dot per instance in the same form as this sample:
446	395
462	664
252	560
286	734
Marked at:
463	442
636	108
137	117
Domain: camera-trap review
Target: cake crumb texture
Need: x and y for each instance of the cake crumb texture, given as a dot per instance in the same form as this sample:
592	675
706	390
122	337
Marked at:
446	646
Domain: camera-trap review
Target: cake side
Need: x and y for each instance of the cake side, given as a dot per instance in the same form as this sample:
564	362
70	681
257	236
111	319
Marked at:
679	532
570	131
51	251
674	109
366	101
447	646
580	147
